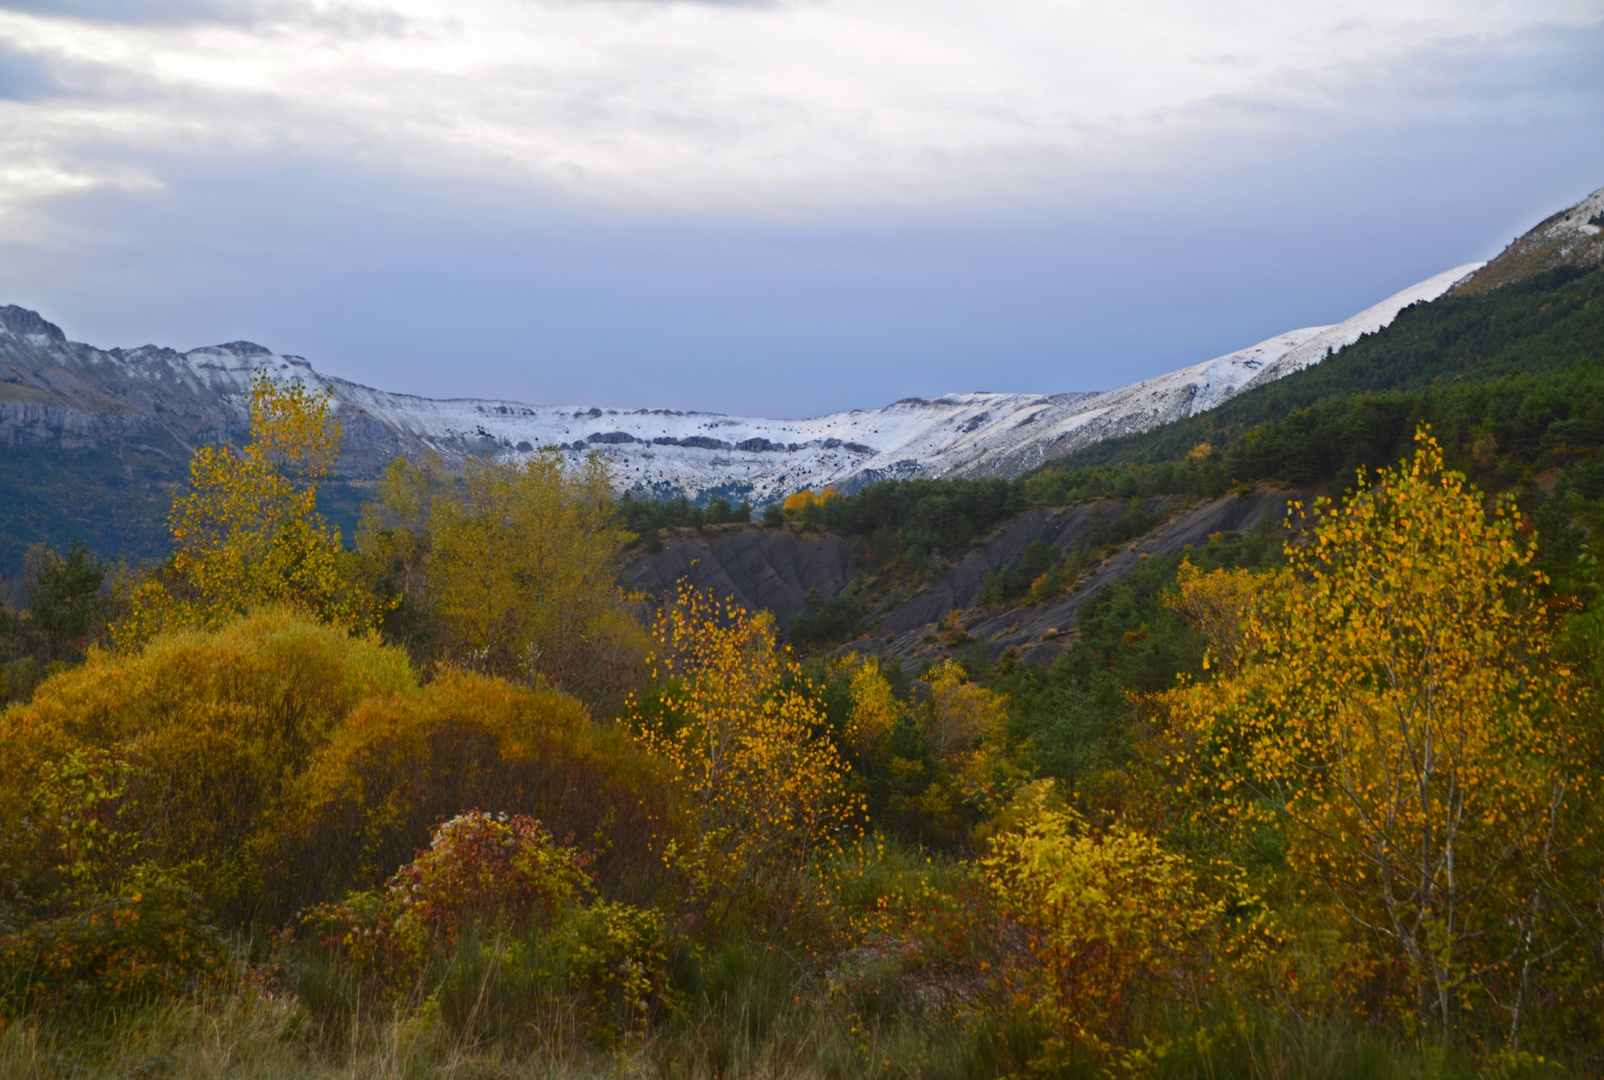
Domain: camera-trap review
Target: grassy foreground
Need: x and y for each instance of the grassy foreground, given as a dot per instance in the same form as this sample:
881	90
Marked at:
264	1037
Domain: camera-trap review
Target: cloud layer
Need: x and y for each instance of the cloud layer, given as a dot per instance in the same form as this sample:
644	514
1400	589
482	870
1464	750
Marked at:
768	108
905	188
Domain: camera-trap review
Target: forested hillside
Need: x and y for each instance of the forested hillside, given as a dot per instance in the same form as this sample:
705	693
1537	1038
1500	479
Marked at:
1511	382
1545	331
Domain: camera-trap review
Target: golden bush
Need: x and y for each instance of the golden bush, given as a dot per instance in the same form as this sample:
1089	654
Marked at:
213	726
803	500
1110	923
403	762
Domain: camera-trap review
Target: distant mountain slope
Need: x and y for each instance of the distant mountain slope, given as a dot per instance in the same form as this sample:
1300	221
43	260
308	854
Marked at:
1572	237
1540	325
93	441
58	394
1180	394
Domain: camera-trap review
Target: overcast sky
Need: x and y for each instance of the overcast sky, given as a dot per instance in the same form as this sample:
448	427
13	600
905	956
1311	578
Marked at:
779	207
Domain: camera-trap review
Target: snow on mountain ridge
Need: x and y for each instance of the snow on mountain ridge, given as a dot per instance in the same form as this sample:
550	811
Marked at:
975	434
663	452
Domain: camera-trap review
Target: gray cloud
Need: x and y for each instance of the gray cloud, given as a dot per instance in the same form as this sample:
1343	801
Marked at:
343	20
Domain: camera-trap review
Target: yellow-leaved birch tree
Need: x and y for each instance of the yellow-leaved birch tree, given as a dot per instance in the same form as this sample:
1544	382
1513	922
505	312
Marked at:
748	744
1394	707
247	533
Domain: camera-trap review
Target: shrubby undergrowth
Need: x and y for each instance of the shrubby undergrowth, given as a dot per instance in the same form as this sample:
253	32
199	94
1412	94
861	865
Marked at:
461	834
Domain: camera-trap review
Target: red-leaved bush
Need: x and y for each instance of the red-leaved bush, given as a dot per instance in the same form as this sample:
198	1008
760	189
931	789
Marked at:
480	870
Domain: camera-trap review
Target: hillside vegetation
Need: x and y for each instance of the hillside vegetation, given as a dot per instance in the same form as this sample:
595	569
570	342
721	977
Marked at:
1307	803
1541	328
1511	382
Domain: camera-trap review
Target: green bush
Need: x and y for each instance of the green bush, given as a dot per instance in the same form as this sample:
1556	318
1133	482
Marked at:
154	943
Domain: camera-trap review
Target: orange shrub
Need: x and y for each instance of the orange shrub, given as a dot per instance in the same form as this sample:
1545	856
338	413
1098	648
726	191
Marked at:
802	500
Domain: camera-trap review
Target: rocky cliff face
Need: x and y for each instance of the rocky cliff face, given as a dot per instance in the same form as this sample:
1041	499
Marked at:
758	568
56	393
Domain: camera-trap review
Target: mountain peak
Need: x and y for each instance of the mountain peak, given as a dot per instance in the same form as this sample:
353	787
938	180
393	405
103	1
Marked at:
25	323
1572	237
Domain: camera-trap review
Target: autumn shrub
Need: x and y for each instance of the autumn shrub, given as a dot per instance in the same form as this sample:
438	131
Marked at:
746	741
153	943
87	922
496	924
1108	924
479	868
212	727
800	503
403	762
596	976
76	839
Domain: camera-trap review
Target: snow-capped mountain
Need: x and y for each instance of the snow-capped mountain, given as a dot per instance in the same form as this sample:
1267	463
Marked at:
56	392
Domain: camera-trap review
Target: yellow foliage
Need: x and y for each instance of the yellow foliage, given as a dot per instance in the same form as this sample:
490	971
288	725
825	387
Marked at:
1213	604
968	723
801	500
1398	713
402	762
248	533
278	761
213	725
746	741
875	710
1109	921
517	566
